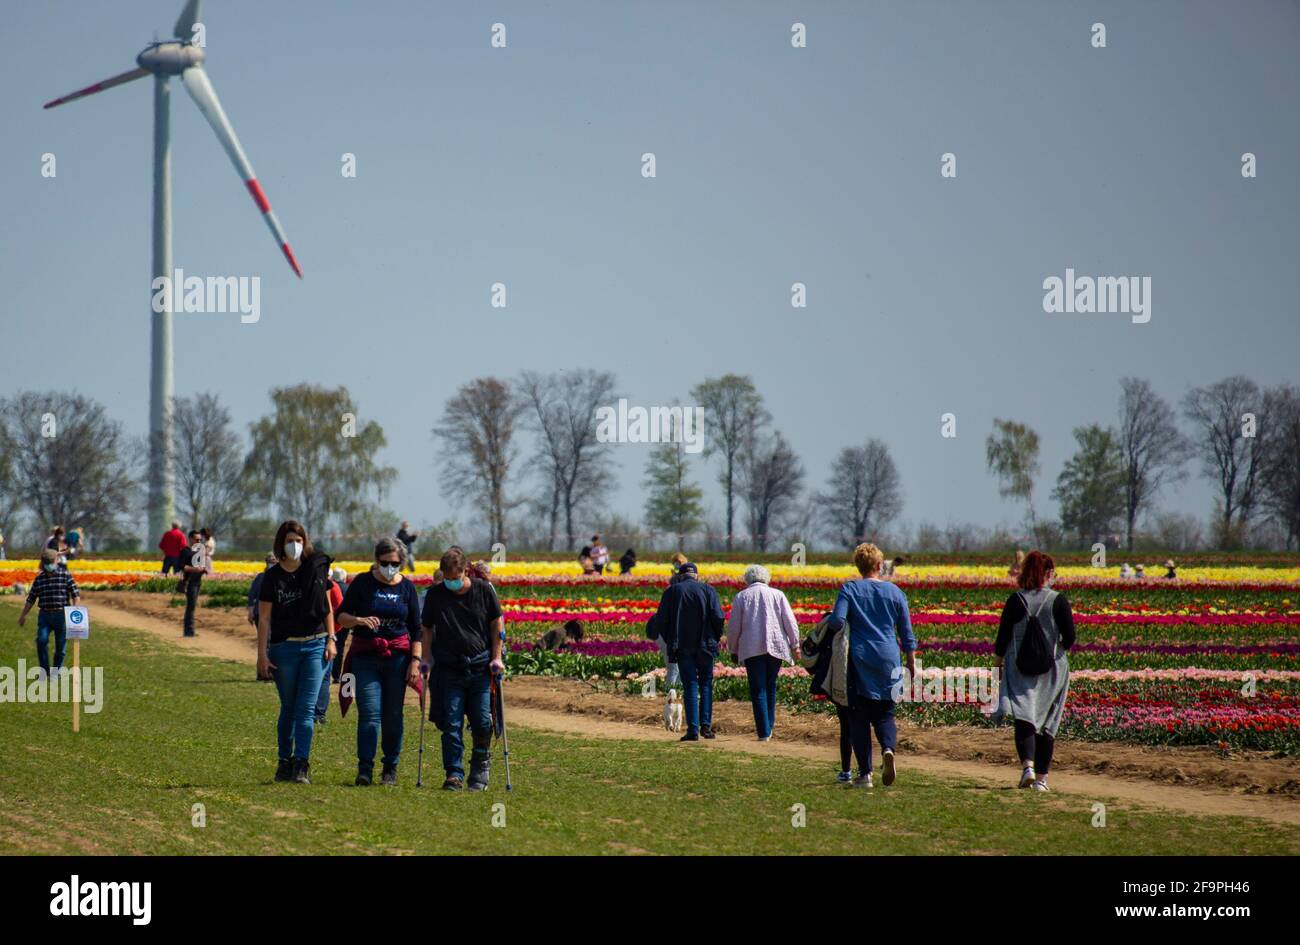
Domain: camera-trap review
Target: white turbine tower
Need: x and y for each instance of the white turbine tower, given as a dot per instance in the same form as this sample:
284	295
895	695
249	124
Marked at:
176	57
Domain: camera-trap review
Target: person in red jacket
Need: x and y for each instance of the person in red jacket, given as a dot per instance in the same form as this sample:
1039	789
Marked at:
172	545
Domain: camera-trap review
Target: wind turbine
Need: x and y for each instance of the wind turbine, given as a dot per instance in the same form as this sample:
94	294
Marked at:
176	57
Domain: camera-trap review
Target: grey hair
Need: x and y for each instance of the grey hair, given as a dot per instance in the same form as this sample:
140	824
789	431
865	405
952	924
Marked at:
388	546
757	574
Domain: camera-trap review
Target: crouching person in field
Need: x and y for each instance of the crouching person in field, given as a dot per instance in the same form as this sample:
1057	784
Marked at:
52	590
382	609
877	616
462	623
295	642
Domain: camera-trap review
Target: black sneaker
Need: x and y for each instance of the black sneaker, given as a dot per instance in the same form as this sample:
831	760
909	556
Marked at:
478	773
452	784
284	770
706	731
301	771
365	777
690	737
389	775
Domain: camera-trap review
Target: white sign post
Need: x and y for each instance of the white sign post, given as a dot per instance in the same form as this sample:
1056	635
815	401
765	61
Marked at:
76	622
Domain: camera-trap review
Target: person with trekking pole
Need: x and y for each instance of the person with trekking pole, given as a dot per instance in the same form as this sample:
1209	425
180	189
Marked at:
382	610
463	629
499	710
1035	634
295	643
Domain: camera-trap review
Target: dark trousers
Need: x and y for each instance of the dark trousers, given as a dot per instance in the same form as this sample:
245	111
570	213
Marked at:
846	740
868	714
761	672
466	694
51	622
1034	746
191	601
171	564
697	688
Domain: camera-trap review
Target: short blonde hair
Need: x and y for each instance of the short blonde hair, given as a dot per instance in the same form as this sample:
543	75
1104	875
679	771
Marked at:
868	558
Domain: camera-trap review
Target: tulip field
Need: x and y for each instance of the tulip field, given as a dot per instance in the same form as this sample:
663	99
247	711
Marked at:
1212	658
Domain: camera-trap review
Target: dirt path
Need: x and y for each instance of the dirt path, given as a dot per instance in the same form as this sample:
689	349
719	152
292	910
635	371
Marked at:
569	706
1187	780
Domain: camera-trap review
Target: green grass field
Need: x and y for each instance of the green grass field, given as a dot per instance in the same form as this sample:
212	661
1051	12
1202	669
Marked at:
178	730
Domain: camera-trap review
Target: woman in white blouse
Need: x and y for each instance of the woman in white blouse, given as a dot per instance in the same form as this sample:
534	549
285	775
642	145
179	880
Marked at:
762	633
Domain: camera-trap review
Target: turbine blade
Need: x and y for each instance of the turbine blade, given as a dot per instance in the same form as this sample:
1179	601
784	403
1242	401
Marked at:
205	96
184	28
121	79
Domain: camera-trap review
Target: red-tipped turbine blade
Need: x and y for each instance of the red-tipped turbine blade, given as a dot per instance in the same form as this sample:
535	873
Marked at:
205	96
100	86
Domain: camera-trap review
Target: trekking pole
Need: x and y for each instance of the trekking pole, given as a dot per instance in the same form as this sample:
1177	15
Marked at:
419	768
501	698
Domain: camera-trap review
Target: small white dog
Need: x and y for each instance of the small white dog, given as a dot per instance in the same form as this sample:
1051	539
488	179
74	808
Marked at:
673	711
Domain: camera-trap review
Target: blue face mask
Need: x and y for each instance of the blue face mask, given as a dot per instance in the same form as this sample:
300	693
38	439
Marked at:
453	585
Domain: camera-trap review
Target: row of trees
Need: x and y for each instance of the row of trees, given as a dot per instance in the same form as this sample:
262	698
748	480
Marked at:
1247	442
524	455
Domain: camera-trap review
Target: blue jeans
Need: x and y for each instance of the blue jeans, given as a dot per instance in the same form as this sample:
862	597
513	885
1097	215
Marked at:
323	699
381	690
466	693
868	714
762	671
299	665
673	679
47	620
697	688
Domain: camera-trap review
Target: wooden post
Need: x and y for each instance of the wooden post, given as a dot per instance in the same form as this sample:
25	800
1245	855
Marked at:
76	685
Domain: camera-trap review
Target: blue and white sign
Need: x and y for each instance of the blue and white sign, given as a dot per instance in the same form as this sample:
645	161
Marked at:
77	621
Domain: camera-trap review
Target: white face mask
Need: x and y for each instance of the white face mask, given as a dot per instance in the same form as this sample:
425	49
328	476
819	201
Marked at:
49	566
293	549
389	571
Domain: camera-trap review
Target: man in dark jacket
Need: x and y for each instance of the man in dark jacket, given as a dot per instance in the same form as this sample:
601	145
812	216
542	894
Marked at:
690	622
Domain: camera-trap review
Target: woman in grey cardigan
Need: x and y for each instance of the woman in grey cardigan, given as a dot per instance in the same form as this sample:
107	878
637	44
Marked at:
1036	703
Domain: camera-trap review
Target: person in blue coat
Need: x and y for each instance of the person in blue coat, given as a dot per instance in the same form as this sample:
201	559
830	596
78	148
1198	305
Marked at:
879	624
690	622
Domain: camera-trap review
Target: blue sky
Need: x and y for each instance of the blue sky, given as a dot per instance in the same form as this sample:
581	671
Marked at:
775	165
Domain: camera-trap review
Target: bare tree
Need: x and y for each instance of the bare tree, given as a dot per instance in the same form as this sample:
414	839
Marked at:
770	480
209	463
1153	449
561	411
1229	457
734	412
72	464
477	430
1280	461
863	493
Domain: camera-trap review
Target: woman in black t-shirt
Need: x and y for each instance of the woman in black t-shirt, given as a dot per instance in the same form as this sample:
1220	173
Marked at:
295	642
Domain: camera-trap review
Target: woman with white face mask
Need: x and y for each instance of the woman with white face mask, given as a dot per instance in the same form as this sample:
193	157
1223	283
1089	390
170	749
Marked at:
382	610
295	642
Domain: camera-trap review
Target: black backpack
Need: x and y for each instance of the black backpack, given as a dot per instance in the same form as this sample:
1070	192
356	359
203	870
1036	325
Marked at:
1035	655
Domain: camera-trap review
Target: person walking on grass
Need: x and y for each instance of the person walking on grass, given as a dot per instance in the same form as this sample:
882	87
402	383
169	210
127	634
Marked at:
295	642
463	627
382	611
879	622
52	590
763	634
1034	695
689	620
194	564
